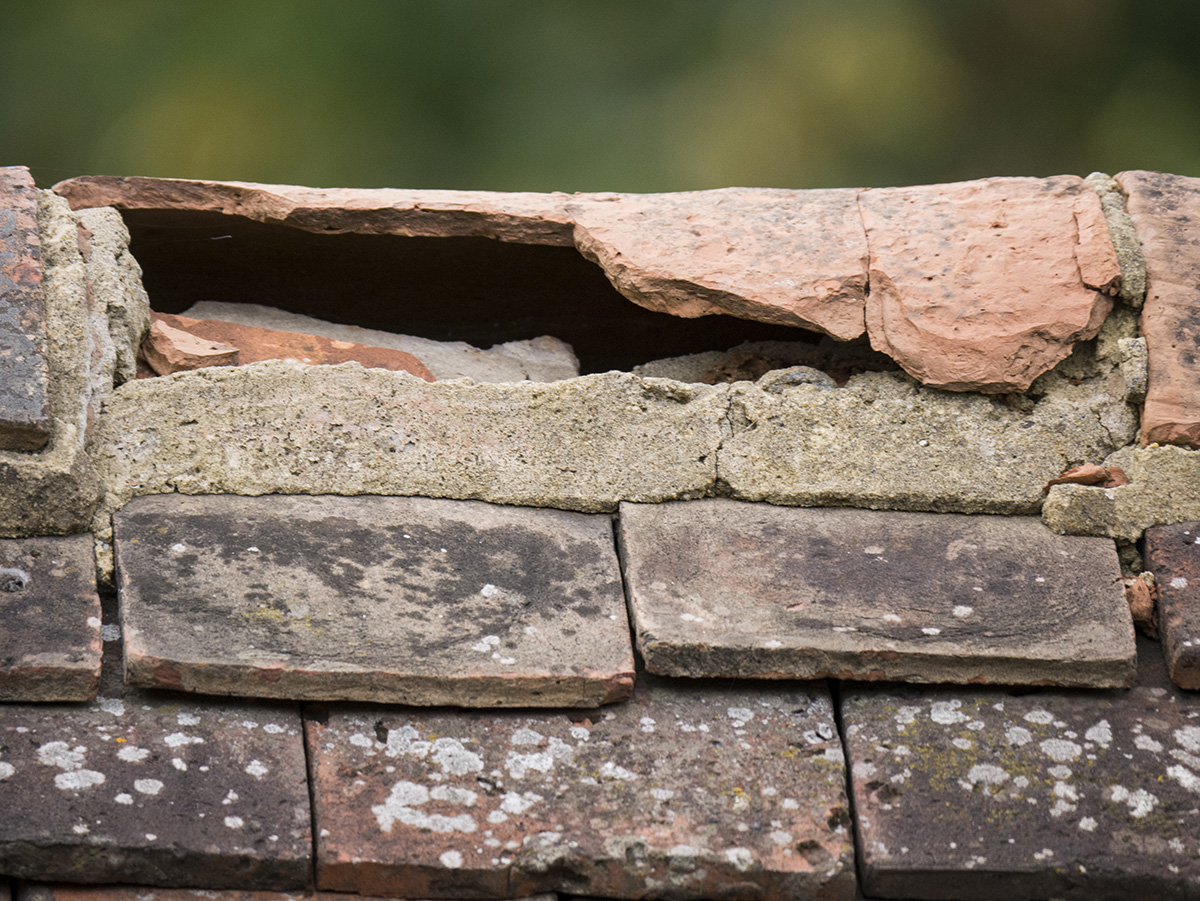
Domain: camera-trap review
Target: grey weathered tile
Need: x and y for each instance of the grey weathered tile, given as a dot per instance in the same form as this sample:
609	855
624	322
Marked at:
1173	555
689	790
406	600
50	640
24	397
726	588
986	793
154	789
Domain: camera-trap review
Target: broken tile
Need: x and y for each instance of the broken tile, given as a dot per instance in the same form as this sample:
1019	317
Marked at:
24	390
251	344
404	600
168	349
992	794
50	641
690	790
1166	212
732	589
1173	555
984	285
155	790
788	257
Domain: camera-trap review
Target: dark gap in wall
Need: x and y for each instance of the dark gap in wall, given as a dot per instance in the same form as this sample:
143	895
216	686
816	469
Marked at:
476	290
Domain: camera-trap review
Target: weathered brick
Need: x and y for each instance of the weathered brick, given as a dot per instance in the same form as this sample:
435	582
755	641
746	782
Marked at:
725	588
984	285
50	639
1166	212
1173	555
403	600
62	892
154	790
994	794
24	394
690	790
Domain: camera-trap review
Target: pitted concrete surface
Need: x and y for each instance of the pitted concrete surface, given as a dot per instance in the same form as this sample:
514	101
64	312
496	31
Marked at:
401	600
720	588
688	791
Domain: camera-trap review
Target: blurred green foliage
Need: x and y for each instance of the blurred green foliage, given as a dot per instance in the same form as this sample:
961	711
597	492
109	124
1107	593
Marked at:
629	95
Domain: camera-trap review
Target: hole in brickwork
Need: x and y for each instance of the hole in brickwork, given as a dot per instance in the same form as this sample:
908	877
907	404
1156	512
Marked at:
476	290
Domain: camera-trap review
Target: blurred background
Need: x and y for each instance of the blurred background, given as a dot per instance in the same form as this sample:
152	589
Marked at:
624	95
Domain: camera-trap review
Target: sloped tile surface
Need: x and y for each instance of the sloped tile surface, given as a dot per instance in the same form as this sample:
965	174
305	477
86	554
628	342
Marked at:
406	600
154	790
50	644
1173	555
726	588
1166	211
989	794
689	790
24	397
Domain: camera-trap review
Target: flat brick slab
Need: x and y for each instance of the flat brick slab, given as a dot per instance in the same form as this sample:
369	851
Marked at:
984	285
1166	213
24	397
50	644
405	600
1173	555
62	892
988	794
726	588
154	790
690	790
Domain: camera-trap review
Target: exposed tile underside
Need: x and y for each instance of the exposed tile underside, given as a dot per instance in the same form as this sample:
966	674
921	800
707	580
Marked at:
688	791
988	794
24	399
1173	555
725	588
50	639
404	600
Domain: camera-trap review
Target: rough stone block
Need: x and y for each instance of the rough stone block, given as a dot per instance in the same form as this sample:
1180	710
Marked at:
991	794
788	257
154	790
720	588
25	420
1173	555
1166	212
254	344
984	285
403	600
688	791
50	644
541	359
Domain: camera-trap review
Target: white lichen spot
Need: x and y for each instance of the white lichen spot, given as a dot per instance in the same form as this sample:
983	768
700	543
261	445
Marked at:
517	804
1060	749
489	590
1179	582
112	706
789	804
611	770
124	798
75	780
907	715
359	740
179	764
454	758
863	769
187	719
401	807
1185	777
891	618
1176	845
110	632
453	794
946	713
781	838
148	786
1101	734
274	729
1140	802
257	769
741	858
6	769
1087	824
962	611
647	723
451	860
179	739
1060	772
230	797
931	630
526	737
1044	854
94	622
520	764
1039	717
179	547
81	829
579	733
133	754
234	822
1147	743
61	755
963	744
1021	782
1189	738
485	644
986	774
